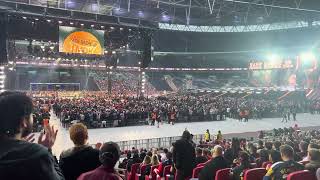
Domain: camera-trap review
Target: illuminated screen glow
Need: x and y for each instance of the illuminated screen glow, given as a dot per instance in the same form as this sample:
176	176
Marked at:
81	41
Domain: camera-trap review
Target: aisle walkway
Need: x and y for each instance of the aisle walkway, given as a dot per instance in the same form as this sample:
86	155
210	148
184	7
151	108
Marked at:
145	132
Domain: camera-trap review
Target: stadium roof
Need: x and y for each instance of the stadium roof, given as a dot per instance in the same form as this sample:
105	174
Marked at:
195	12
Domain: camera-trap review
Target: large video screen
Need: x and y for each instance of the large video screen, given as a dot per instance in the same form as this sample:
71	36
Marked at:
289	73
273	77
82	41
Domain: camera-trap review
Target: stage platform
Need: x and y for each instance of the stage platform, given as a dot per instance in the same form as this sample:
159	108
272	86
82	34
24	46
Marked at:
230	126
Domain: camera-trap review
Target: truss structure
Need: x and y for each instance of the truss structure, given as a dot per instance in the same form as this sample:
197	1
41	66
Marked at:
240	28
200	15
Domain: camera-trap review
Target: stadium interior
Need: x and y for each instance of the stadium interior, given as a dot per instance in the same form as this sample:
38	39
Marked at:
160	89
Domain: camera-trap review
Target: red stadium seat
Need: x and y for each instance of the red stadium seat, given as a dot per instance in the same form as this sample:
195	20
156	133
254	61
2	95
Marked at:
142	170
223	174
265	164
131	175
254	165
301	175
166	171
152	175
255	174
201	164
196	171
304	162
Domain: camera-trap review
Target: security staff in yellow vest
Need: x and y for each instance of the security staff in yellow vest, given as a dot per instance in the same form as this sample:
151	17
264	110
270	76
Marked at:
207	136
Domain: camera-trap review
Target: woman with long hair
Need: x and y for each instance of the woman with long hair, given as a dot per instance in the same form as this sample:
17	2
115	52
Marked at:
146	162
155	160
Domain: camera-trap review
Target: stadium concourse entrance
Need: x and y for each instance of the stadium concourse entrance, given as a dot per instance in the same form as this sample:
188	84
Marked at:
54	86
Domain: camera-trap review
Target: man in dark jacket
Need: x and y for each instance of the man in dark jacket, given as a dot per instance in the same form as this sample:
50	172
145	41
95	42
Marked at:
20	159
184	156
135	159
218	162
199	157
81	158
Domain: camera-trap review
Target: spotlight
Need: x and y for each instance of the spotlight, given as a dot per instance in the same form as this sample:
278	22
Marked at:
60	22
121	29
113	52
102	27
82	24
48	20
140	13
111	27
36	19
92	25
307	56
24	17
71	23
273	57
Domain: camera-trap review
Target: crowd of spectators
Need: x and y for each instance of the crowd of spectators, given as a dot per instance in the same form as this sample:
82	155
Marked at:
103	110
122	83
280	152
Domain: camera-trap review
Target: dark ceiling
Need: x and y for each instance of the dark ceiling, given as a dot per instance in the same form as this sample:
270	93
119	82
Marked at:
196	12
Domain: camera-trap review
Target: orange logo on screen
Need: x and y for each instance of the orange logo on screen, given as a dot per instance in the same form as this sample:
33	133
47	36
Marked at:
82	42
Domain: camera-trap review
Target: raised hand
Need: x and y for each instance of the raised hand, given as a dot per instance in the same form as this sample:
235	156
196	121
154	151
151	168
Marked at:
98	145
30	138
49	137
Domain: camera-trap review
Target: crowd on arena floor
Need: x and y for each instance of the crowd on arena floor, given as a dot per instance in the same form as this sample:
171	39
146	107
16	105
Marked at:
278	155
101	110
122	83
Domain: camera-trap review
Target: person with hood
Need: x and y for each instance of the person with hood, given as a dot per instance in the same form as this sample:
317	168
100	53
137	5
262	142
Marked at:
80	158
20	159
109	155
184	158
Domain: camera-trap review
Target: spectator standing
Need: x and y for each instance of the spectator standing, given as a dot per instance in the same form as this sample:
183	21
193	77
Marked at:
219	136
207	136
81	158
184	156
